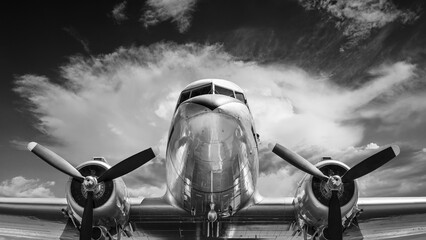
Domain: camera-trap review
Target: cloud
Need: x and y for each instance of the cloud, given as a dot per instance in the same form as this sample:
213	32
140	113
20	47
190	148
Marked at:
21	187
19	145
118	104
372	146
280	183
403	176
118	12
178	11
73	33
146	191
152	174
398	118
359	17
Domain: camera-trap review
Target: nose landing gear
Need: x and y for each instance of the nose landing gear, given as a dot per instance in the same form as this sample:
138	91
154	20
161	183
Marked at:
212	223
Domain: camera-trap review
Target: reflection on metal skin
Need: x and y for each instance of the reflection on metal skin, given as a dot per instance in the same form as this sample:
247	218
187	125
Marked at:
212	154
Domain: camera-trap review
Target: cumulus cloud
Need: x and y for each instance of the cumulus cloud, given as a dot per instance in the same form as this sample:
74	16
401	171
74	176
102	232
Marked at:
118	104
177	11
357	18
118	12
372	146
21	187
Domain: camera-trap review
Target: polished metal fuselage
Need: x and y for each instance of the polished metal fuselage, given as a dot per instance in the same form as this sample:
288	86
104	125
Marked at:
212	155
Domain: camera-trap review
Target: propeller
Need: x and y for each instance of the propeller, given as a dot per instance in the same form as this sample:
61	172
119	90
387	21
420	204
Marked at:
335	182
87	220
298	161
90	182
55	160
334	230
371	163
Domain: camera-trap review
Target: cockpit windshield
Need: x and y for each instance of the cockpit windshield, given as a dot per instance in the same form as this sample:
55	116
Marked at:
210	89
224	91
202	90
205	89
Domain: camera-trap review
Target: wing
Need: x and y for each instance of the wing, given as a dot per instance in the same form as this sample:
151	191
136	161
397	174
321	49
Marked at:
391	218
155	218
382	218
272	218
35	218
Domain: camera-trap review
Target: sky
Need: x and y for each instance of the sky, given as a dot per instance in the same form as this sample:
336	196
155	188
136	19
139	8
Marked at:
323	78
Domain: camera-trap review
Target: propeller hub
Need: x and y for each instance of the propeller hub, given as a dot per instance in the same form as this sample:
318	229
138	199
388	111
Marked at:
334	183
90	183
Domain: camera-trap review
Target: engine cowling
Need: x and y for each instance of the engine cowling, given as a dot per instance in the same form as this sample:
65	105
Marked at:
111	202
313	195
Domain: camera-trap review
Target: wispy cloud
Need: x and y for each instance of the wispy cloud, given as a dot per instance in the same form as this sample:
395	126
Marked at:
21	187
76	35
18	144
118	104
178	11
357	18
118	12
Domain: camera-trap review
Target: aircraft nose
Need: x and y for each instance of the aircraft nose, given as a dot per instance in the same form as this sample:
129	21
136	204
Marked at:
212	101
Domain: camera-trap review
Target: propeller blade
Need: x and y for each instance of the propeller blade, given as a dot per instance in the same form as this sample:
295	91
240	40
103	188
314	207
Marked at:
334	228
55	160
87	220
371	163
298	161
127	165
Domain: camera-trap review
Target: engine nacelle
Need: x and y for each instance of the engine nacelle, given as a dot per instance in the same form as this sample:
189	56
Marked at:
111	202
312	196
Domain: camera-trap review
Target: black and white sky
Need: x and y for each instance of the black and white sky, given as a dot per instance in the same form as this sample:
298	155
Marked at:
101	78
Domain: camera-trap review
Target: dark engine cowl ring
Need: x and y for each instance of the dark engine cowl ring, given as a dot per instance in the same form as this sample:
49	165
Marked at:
323	193
103	190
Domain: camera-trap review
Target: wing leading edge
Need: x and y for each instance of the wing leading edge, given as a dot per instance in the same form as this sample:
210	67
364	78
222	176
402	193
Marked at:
382	218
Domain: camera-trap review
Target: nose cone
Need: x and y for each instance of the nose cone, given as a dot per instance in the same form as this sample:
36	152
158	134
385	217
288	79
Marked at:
212	101
213	128
208	136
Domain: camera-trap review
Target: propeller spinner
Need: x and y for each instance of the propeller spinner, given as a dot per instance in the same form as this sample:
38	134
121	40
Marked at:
90	183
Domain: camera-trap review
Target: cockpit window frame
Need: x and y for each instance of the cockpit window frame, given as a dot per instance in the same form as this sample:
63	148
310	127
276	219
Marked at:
190	91
181	100
202	87
213	90
243	97
224	89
